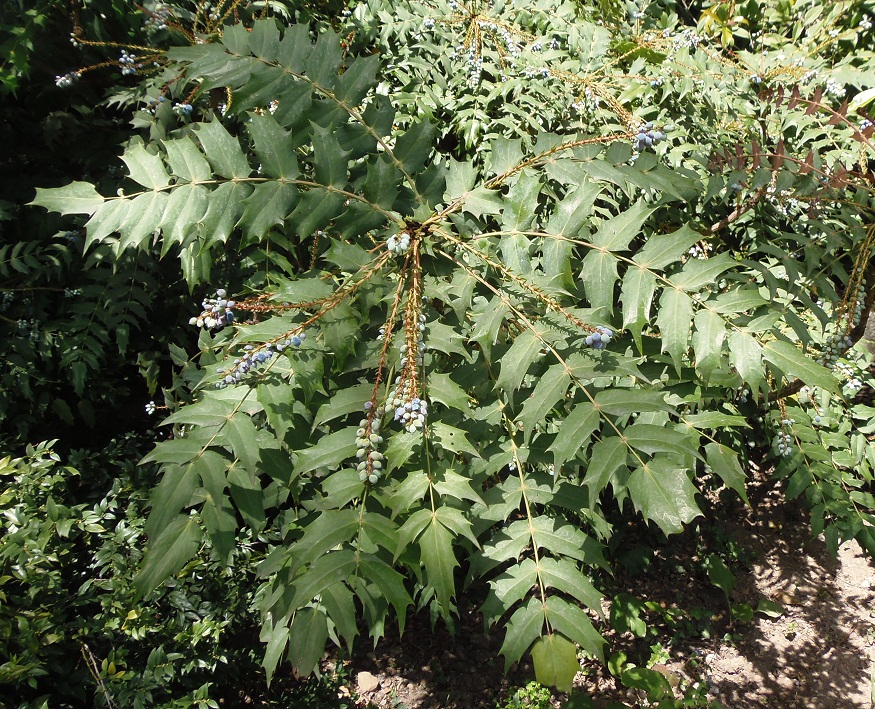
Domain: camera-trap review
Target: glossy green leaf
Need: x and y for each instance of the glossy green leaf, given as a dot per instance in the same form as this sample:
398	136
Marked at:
708	337
549	391
307	636
574	432
792	362
663	494
523	628
436	549
724	462
175	545
75	198
555	660
223	151
674	321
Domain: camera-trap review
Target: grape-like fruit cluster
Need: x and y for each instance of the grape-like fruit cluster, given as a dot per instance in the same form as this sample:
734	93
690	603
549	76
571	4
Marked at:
253	357
217	312
785	439
157	19
700	251
398	245
367	440
410	411
601	337
129	63
839	342
648	138
67	80
853	382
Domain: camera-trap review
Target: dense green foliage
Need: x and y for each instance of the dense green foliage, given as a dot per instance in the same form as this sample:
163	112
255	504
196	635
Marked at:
476	279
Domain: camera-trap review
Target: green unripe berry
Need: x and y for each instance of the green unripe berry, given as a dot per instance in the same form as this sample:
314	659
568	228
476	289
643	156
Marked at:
376	464
372	478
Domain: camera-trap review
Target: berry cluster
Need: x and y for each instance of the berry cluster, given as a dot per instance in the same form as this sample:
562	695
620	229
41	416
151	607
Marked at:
129	63
367	440
853	382
507	38
399	245
700	251
428	23
648	138
865	124
688	39
67	80
839	342
412	414
151	408
217	312
157	19
601	337
421	347
743	394
785	439
253	357
183	109
835	88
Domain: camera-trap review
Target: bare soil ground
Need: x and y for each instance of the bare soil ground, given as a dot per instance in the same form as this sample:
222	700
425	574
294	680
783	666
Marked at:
818	653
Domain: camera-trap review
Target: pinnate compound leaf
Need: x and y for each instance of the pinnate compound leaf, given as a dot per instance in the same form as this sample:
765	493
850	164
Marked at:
564	575
599	275
331	568
624	402
508	588
176	544
273	147
664	249
697	273
186	161
663	493
616	233
340	604
556	663
331	450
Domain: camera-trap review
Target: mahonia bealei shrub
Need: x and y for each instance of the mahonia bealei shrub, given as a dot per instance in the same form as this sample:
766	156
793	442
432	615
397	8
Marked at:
510	302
